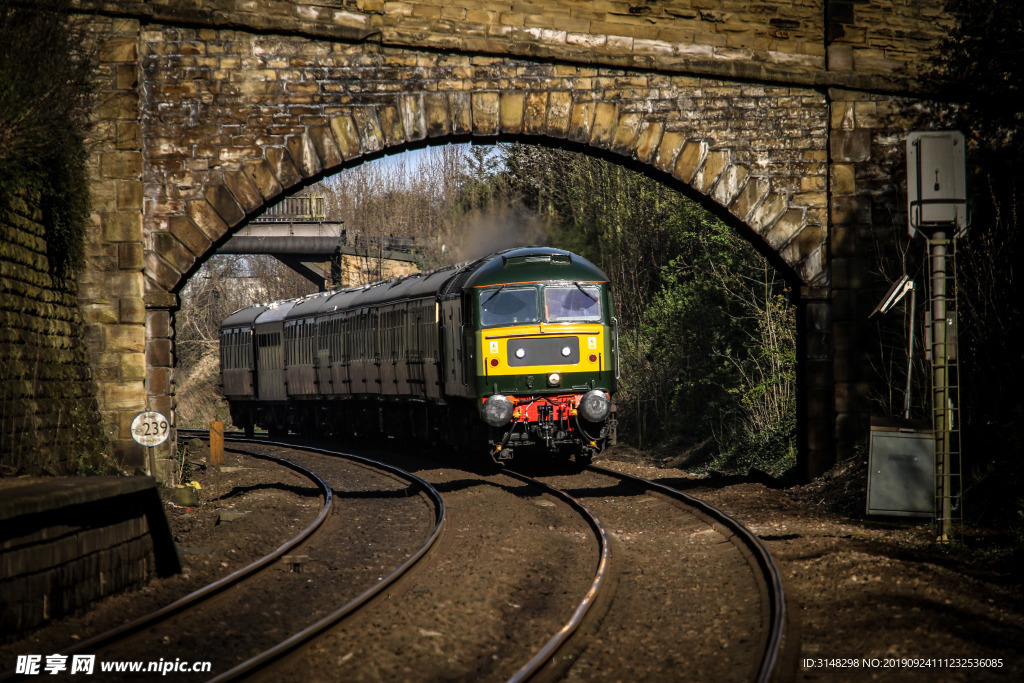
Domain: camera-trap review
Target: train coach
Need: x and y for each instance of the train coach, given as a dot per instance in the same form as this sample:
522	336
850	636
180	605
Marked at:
515	350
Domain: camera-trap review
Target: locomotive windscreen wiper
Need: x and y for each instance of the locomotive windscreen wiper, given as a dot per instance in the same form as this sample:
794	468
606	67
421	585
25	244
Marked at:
492	295
580	287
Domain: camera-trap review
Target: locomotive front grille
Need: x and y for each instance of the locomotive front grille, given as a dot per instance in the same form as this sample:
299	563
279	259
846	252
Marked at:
530	352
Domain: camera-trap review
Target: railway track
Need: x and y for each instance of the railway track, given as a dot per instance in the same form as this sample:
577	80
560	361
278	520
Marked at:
729	548
359	601
126	642
570	589
742	568
381	643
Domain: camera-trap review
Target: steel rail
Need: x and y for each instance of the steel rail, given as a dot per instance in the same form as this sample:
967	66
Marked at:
771	655
551	648
211	589
353	605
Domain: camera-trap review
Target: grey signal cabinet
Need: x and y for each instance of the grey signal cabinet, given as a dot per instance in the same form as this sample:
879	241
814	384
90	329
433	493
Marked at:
901	470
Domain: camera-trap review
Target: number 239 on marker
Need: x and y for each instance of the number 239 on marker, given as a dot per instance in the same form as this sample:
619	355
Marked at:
150	428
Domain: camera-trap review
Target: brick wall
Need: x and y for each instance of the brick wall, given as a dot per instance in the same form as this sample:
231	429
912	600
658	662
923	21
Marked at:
48	418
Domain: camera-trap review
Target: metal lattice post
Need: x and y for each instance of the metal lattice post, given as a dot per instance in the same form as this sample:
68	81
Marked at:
945	384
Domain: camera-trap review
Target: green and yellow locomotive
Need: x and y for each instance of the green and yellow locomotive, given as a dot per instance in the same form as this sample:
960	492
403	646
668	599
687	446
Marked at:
517	349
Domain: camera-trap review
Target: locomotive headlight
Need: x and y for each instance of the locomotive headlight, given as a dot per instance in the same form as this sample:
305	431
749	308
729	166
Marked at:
566	351
497	410
554	378
520	352
595	406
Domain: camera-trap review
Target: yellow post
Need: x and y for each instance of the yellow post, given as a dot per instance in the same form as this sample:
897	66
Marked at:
216	442
217	449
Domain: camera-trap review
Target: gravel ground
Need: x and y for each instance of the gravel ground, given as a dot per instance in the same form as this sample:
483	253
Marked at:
869	599
874	599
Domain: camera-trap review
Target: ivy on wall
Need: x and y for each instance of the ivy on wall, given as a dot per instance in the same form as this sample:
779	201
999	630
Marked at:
49	423
45	98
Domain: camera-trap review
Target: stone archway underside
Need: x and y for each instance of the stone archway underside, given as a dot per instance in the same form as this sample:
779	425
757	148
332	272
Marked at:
225	134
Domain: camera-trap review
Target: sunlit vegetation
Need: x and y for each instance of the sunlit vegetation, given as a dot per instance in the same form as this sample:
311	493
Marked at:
707	333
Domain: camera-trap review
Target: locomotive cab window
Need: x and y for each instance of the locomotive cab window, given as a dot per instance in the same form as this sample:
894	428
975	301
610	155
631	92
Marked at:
574	302
507	306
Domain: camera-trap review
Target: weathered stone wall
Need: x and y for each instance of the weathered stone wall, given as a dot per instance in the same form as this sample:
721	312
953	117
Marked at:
217	109
870	247
111	289
359	270
48	418
243	118
865	43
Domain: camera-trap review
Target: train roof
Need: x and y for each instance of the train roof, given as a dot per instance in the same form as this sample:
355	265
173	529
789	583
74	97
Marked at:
532	264
414	286
341	299
243	317
521	264
276	311
308	307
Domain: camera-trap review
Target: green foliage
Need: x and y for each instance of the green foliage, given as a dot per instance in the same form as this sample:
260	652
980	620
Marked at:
708	340
480	180
772	451
45	95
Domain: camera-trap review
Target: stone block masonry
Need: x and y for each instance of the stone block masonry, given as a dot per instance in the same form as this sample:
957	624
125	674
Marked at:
243	132
125	353
67	542
48	409
244	119
850	43
776	115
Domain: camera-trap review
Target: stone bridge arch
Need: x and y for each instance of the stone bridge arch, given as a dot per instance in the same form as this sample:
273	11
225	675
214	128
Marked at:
207	116
734	160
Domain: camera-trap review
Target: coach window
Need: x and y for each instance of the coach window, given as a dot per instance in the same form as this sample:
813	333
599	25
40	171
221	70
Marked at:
375	340
399	333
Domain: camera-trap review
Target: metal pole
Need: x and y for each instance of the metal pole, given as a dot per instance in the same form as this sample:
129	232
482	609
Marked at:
910	351
940	383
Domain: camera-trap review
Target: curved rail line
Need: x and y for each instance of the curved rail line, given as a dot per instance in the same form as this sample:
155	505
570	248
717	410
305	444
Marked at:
550	649
543	656
198	596
353	605
201	594
773	640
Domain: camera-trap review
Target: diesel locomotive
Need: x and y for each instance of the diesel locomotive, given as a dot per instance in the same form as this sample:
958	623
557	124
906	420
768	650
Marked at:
515	350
